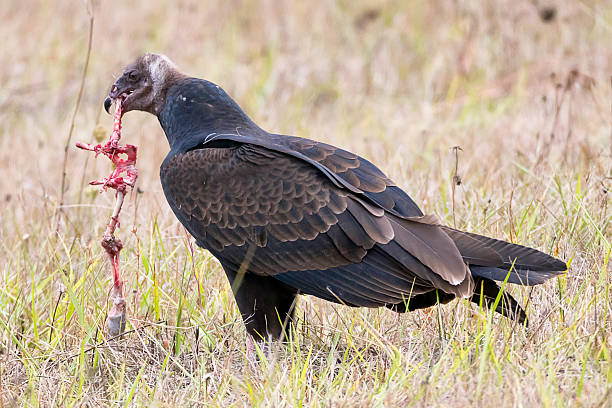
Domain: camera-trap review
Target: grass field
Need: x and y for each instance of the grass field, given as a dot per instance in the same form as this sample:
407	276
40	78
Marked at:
399	82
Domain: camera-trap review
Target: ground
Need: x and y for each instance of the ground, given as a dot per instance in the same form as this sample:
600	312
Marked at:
523	87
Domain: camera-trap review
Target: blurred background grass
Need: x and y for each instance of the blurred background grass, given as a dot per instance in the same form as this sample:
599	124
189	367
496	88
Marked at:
522	86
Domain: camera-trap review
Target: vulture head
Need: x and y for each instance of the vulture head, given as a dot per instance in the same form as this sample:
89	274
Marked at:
143	84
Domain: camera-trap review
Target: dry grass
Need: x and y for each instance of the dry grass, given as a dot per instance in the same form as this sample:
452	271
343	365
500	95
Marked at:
400	82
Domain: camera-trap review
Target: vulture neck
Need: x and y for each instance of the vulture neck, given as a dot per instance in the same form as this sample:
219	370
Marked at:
196	109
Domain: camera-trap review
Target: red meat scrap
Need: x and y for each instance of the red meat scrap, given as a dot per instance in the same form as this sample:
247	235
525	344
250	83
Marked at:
124	175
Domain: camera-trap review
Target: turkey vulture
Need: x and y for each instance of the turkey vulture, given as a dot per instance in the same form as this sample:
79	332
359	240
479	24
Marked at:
286	215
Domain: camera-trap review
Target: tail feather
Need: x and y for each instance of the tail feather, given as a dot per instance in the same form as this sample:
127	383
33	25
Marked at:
492	259
523	277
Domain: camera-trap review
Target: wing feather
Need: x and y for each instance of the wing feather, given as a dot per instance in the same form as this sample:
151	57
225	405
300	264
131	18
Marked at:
308	231
430	245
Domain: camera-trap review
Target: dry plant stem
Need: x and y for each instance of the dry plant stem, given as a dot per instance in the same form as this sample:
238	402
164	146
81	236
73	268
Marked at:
1	390
456	180
72	122
123	176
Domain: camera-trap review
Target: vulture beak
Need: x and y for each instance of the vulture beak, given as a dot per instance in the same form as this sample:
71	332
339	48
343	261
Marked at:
116	93
107	104
113	94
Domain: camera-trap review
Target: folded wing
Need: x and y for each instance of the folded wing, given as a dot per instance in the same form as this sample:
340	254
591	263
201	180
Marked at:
269	213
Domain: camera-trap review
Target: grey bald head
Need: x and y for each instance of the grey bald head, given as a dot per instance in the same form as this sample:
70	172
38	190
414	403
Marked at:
144	84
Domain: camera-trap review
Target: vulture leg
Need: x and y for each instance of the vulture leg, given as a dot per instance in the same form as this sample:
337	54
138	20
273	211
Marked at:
506	306
485	289
422	301
266	304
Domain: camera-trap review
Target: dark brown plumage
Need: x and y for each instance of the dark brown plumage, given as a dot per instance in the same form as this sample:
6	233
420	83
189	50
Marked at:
286	215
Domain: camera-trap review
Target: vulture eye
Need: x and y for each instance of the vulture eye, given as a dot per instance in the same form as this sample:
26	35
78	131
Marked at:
132	76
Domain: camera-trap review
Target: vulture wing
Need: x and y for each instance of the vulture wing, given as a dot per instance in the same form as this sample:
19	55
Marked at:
345	169
315	217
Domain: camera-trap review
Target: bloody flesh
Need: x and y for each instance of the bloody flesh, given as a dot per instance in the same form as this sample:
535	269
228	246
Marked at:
123	176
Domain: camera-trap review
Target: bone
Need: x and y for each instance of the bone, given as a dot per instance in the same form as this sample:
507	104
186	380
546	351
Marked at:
123	176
